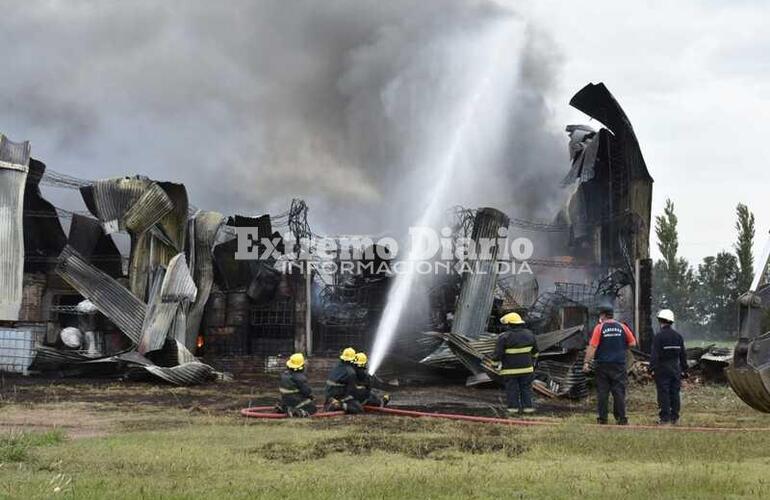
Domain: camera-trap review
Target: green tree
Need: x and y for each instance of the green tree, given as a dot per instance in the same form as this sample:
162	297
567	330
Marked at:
716	294
673	278
743	247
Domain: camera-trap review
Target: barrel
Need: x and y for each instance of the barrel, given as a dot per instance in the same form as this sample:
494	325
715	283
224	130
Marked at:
238	307
216	309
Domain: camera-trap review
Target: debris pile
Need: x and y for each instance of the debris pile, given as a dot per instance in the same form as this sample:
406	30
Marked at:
181	295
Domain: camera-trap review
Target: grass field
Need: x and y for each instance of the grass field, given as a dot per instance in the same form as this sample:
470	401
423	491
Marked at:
116	450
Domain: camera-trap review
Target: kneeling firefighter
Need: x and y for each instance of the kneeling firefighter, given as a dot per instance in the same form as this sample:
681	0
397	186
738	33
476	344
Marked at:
516	349
296	394
341	384
362	390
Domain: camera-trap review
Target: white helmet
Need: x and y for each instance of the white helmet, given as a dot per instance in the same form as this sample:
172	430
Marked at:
666	315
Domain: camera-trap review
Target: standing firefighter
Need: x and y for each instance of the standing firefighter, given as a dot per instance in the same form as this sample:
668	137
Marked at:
363	385
668	363
609	342
516	350
341	384
296	395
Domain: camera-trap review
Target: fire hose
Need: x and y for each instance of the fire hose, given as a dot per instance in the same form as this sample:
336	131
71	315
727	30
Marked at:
268	412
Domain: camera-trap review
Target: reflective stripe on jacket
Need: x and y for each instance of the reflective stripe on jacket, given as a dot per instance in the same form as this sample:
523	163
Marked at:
341	380
516	349
294	388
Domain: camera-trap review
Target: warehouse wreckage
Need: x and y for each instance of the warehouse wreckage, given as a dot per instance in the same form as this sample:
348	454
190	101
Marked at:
183	309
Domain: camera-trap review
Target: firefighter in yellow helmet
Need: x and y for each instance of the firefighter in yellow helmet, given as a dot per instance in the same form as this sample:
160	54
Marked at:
340	385
296	394
516	350
363	386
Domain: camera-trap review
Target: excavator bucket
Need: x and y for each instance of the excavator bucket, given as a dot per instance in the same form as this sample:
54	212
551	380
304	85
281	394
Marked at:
749	372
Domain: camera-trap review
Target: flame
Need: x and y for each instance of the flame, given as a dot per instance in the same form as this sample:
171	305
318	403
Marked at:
199	341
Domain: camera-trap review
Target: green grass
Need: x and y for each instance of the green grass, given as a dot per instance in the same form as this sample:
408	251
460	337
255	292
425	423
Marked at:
175	453
16	446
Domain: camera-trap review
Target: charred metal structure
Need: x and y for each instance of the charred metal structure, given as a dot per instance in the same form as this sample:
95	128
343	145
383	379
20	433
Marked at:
181	308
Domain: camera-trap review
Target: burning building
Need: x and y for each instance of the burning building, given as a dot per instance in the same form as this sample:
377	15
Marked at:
181	307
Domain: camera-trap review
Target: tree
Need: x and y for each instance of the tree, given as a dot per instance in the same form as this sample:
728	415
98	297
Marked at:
673	277
717	293
743	247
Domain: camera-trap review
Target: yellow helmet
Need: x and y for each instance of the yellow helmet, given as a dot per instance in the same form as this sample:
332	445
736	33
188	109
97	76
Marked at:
348	354
512	319
361	359
296	361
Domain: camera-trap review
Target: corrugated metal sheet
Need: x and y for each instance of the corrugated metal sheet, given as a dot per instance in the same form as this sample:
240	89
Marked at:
159	316
112	198
178	284
14	153
203	233
170	296
161	243
477	291
14	165
148	210
187	374
122	307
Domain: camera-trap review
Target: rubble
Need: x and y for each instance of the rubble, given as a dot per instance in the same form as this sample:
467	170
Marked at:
182	297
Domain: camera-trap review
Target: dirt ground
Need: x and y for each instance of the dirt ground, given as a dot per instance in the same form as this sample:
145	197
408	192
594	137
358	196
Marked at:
90	407
95	407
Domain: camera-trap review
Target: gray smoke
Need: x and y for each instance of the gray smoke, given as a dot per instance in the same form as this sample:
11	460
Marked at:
252	103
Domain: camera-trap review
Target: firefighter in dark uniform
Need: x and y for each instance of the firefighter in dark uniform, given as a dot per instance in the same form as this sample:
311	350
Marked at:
516	350
341	384
363	385
609	342
668	363
296	394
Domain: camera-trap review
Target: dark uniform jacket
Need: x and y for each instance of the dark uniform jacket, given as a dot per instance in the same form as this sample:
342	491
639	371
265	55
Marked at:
668	352
611	339
363	385
341	381
294	388
516	348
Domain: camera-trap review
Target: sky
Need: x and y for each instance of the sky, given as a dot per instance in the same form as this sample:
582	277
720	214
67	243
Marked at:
694	79
346	102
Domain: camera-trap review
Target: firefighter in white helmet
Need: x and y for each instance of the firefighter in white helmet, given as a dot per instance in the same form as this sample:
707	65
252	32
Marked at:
668	363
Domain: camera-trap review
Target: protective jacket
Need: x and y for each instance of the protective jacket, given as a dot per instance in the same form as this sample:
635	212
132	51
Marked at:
611	339
294	388
362	388
668	352
341	381
516	348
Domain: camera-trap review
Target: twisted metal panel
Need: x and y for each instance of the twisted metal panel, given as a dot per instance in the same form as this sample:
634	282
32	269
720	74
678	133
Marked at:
113	300
14	165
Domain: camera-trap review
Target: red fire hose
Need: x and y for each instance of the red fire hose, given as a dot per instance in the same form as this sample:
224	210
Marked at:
533	422
454	416
270	413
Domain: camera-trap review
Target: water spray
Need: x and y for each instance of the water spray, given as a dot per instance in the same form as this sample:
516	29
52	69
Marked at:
500	44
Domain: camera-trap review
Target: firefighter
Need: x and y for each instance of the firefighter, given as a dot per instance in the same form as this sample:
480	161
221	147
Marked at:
363	385
668	363
609	342
516	350
296	394
341	384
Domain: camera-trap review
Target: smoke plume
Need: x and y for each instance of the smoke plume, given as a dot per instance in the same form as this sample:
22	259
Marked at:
252	103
